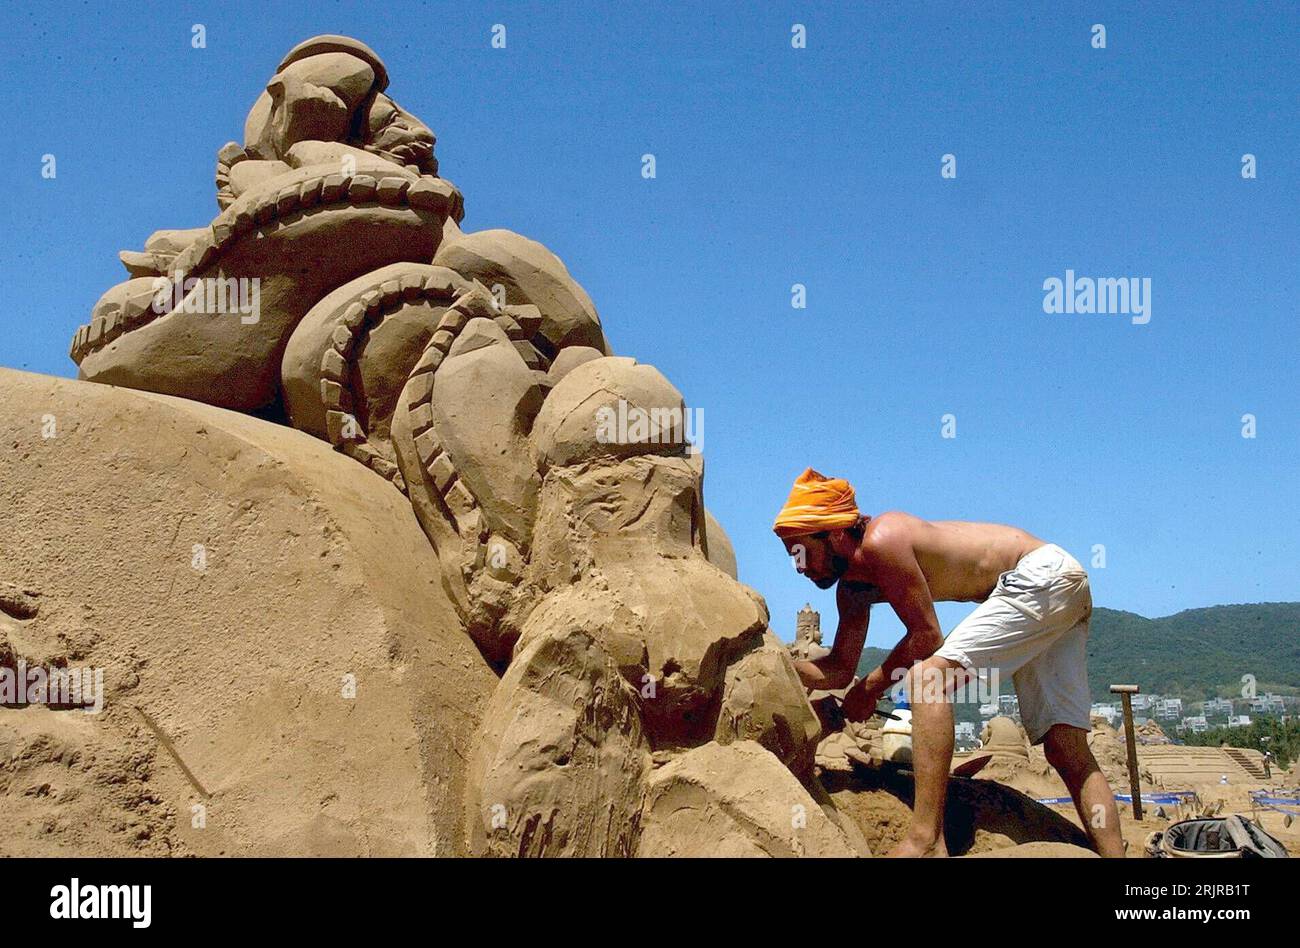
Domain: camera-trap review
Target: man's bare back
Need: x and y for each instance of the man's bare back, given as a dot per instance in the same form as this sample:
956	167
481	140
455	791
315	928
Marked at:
961	560
910	564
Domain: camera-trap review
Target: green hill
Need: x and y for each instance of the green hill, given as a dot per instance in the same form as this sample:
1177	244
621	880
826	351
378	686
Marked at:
1198	653
1195	654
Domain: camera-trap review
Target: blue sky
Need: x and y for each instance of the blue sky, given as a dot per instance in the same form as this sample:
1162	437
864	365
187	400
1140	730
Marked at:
818	166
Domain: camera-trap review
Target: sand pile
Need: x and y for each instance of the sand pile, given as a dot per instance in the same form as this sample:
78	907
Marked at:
1150	732
1111	750
1019	765
994	812
982	815
227	575
1014	763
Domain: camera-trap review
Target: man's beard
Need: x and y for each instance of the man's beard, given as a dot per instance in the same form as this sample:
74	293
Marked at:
839	566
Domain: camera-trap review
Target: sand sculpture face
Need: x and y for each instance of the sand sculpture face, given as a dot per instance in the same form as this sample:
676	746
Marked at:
397	134
472	372
331	89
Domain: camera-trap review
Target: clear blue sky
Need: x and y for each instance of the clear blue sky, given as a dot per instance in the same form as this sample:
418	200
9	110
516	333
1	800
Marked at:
817	166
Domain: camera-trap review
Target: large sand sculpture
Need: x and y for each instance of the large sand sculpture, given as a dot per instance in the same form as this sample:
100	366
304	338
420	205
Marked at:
549	650
367	572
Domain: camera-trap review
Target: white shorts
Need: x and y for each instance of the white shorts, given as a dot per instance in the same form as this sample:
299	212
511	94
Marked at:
1034	627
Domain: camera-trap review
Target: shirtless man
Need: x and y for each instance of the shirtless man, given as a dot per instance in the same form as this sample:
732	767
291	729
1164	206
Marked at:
1032	623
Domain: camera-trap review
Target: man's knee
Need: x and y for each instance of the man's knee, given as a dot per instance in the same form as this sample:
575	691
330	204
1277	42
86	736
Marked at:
932	679
1067	749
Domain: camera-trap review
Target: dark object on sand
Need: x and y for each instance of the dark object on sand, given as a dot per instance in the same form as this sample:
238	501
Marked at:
1219	837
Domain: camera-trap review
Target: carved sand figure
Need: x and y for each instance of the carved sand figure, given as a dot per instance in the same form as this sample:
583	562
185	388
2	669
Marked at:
807	644
644	707
1003	736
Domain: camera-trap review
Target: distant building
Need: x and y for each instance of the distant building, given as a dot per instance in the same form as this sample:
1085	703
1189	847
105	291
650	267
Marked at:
965	731
1196	724
1268	704
1107	711
1143	702
1239	720
1009	705
1217	707
989	710
1169	709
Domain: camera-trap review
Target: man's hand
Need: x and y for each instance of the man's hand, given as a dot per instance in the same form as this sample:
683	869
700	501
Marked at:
827	673
835	670
860	703
829	714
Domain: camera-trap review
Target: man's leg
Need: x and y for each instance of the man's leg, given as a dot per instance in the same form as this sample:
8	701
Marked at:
932	742
1022	618
1067	750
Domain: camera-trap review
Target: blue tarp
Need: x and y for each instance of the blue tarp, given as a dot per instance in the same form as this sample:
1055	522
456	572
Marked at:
1168	797
1281	804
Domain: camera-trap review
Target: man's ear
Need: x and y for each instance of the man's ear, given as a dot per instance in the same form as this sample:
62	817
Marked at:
852	536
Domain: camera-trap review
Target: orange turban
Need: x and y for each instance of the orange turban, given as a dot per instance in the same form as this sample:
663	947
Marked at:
817	503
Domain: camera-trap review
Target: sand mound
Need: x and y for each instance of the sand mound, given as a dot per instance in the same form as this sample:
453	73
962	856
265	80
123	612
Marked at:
1032	775
69	786
227	574
981	815
1039	851
1149	732
1111	750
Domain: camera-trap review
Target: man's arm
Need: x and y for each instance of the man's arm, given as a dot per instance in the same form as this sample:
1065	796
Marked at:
904	586
836	670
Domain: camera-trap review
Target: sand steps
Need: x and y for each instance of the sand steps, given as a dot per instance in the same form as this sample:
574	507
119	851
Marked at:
1174	765
1252	765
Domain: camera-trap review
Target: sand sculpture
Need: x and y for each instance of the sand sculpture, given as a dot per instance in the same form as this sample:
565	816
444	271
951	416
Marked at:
850	743
1150	732
391	437
1001	736
643	705
807	644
